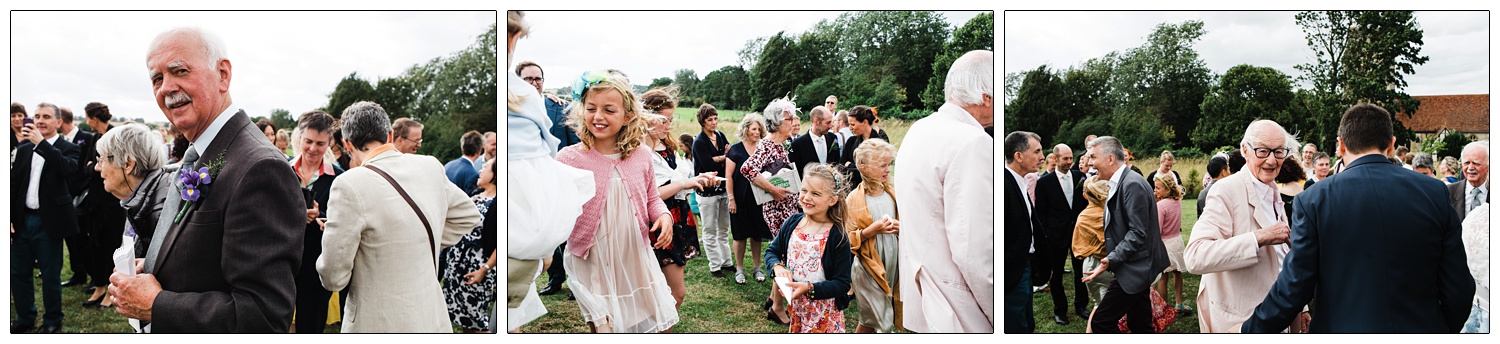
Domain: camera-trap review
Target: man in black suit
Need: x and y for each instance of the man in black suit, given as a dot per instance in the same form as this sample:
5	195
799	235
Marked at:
1474	190
1132	236
227	261
80	246
1059	200
818	145
1373	264
41	215
1023	151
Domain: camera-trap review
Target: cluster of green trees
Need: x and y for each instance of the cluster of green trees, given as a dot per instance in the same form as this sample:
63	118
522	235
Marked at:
1160	96
448	95
894	60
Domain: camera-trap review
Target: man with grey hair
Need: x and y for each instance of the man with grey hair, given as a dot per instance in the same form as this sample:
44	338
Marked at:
1474	189
41	215
1237	244
818	145
1132	238
369	244
1422	162
227	246
945	175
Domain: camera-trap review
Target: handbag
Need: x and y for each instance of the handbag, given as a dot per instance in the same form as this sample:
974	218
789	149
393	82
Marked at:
420	216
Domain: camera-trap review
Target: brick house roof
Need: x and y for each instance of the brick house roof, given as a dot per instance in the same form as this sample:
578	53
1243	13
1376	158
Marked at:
1460	112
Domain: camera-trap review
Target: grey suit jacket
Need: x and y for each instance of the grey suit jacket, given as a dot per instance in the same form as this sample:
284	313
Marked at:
1132	236
1459	199
229	265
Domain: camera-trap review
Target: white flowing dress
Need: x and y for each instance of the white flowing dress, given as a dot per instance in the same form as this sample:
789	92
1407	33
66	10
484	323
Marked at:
620	285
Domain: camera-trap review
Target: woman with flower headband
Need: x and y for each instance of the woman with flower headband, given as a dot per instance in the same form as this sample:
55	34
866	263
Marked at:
618	284
545	196
770	156
864	129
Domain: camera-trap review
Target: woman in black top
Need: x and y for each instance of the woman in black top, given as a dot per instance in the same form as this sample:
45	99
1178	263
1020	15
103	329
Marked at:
708	156
745	219
863	127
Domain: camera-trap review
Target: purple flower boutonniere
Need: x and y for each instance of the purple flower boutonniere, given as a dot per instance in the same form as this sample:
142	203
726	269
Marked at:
194	182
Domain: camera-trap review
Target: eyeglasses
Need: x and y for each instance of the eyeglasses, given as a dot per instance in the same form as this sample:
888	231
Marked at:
830	103
532	79
1265	152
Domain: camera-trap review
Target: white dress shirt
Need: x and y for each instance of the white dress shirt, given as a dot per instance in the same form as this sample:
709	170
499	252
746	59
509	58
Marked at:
1065	179
208	135
821	146
1469	189
1114	184
1021	183
33	189
1270	209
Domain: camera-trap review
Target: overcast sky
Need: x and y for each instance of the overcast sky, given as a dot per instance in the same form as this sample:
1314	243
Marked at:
1456	42
649	45
288	60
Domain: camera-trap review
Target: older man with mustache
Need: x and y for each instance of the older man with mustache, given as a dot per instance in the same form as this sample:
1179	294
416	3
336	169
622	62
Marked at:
1475	188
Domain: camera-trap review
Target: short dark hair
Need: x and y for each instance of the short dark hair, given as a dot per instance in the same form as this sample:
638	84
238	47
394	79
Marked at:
1216	165
65	114
315	120
524	64
17	107
1236	161
1015	142
704	112
471	142
1365	127
265	122
866	114
99	111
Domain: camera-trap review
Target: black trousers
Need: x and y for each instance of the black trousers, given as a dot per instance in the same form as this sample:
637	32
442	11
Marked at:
1116	304
555	273
78	255
312	299
1059	257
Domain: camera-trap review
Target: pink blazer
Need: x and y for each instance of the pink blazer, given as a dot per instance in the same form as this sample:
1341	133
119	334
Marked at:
1237	273
637	174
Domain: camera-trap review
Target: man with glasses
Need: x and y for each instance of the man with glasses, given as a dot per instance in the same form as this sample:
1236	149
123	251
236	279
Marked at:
840	122
1238	242
1376	245
408	135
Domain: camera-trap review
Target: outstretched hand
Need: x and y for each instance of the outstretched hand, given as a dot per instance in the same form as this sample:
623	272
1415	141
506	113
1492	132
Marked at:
1103	265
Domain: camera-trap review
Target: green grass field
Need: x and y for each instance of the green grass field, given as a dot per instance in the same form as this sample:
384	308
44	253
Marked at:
1185	323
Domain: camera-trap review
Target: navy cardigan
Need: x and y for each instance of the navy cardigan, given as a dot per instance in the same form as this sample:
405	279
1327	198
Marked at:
837	261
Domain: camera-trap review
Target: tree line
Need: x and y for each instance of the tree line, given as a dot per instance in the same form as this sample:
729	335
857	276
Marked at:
1161	96
449	95
894	60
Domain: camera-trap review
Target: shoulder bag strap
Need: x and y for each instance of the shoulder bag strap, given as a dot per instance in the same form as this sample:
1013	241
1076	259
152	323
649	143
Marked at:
414	207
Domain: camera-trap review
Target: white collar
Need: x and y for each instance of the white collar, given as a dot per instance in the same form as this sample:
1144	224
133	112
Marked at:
212	131
1469	188
72	134
53	141
958	113
1020	179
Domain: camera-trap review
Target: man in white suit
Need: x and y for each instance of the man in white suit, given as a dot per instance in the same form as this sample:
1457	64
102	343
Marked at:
1237	243
377	244
946	177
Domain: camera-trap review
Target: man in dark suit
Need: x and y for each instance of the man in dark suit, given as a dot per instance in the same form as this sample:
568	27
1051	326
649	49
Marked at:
1373	265
1474	190
1023	151
818	145
461	171
1059	200
80	245
41	215
1132	236
225	257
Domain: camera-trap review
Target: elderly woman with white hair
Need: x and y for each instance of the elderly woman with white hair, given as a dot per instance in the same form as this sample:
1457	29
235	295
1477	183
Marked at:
130	163
770	157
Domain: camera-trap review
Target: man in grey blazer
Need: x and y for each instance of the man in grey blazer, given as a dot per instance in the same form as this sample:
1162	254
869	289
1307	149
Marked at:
229	240
1474	190
1132	238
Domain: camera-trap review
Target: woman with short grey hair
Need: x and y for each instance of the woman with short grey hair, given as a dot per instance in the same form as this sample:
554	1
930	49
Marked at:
130	163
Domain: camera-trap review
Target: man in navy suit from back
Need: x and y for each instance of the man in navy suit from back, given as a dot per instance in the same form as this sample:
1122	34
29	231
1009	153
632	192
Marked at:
1377	245
461	171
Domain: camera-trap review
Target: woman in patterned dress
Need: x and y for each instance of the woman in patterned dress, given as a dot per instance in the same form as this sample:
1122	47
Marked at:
770	156
469	302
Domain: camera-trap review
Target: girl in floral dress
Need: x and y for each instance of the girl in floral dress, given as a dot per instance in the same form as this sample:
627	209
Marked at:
811	250
615	276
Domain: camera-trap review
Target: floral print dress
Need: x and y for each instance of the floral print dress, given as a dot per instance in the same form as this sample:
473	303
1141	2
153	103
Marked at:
469	304
772	157
805	260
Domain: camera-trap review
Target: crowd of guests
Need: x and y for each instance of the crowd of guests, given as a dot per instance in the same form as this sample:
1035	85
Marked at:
602	196
228	230
1284	241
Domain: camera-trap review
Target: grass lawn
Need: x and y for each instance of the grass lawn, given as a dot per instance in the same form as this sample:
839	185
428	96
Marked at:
1042	302
712	305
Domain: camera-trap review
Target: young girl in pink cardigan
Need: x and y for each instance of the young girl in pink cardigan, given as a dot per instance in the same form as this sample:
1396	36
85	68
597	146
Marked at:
614	272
